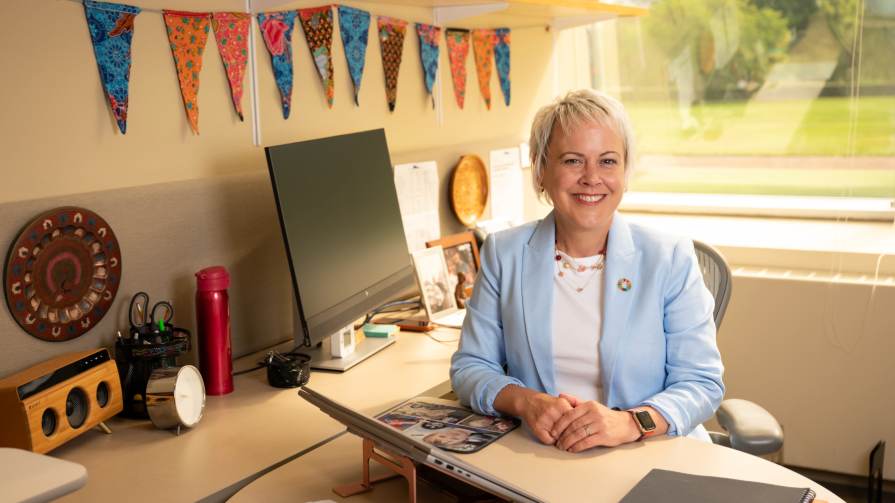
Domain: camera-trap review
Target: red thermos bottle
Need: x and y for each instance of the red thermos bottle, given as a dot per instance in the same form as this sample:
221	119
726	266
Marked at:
213	318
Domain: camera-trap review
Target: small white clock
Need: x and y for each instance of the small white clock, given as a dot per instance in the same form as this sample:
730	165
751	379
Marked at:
175	397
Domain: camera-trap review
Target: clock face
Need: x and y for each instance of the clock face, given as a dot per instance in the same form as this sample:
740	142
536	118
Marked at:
62	273
189	395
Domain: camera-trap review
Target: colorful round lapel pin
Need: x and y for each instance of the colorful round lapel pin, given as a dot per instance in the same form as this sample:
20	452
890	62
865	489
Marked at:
624	284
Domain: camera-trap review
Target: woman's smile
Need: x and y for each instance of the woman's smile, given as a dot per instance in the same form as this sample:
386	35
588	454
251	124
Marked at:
589	199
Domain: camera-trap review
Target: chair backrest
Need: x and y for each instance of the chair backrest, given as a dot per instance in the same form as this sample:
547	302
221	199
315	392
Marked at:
717	277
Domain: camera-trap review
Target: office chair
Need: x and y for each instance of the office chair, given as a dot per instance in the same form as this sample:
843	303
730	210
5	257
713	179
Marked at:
747	426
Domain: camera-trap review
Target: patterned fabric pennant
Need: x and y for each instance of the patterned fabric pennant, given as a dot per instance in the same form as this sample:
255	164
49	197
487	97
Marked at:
187	34
276	29
429	37
391	42
483	46
502	59
354	26
112	30
458	49
317	23
231	30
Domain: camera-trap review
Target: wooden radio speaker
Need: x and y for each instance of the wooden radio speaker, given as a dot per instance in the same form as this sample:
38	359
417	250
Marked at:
53	402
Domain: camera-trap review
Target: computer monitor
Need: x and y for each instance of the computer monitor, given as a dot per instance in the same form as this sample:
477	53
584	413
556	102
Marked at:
344	238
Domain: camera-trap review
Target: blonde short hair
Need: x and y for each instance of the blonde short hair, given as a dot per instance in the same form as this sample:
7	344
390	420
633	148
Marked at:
570	111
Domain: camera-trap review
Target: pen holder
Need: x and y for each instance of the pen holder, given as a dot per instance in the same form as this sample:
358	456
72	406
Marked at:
291	370
141	353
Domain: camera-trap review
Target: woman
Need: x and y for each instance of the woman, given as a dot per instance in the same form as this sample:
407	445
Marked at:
603	327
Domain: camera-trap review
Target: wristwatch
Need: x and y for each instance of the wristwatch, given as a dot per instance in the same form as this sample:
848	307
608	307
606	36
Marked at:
644	422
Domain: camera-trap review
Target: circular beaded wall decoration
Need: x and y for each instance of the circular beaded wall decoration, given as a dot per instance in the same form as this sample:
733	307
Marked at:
62	273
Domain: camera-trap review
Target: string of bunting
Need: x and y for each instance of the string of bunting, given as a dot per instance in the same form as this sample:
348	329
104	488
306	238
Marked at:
111	27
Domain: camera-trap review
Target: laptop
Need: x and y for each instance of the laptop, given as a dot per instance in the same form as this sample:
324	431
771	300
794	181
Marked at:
418	451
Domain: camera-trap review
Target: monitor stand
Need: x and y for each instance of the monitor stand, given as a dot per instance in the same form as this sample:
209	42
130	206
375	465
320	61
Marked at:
322	358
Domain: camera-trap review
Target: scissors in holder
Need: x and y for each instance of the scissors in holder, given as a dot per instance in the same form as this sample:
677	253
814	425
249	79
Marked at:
143	318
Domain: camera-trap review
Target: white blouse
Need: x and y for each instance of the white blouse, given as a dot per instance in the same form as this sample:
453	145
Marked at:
577	324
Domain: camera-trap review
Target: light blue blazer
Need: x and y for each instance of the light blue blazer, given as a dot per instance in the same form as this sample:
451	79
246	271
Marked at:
658	342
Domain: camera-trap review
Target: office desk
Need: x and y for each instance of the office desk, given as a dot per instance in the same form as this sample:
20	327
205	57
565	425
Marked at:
598	475
257	426
246	431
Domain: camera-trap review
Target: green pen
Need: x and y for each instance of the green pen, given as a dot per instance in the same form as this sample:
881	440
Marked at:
161	325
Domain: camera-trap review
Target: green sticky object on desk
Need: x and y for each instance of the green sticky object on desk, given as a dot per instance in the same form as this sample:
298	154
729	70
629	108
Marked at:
381	331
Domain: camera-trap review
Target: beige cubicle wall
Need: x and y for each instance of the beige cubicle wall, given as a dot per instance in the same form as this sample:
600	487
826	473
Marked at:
168	231
59	137
818	355
179	201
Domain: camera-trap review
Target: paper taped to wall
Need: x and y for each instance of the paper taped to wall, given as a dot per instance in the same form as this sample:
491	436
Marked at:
417	187
506	186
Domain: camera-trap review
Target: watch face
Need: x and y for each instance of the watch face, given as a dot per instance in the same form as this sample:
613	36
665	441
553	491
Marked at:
645	420
189	395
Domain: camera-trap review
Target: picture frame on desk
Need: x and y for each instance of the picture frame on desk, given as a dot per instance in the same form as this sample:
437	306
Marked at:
432	277
461	254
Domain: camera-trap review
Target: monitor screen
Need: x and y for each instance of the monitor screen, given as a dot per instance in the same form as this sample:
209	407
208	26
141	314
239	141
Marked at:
342	228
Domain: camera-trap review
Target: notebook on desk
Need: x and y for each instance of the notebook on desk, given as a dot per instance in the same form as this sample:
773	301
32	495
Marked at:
671	486
413	448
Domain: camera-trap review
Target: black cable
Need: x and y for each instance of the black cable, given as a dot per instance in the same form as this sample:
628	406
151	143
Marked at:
413	303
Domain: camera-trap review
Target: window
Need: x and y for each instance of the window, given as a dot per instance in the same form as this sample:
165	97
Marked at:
751	97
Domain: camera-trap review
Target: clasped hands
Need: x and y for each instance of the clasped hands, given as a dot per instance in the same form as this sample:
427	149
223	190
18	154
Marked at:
574	425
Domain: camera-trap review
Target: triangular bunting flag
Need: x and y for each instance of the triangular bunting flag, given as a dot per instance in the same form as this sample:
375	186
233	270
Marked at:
429	37
391	42
187	34
502	59
231	30
458	49
276	30
483	46
354	25
112	30
317	23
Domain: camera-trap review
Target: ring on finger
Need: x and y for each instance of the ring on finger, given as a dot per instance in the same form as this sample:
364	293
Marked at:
586	430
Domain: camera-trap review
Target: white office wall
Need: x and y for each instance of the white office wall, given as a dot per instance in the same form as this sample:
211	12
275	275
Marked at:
820	356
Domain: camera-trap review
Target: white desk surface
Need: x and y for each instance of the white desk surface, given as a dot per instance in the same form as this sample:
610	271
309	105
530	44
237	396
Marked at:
598	475
29	477
257	426
246	431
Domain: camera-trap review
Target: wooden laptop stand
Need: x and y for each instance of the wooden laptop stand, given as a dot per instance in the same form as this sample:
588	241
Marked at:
402	466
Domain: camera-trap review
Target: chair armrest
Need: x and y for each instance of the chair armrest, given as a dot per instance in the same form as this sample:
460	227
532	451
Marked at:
751	428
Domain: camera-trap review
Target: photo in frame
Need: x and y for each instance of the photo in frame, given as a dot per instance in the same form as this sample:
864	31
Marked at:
461	254
432	276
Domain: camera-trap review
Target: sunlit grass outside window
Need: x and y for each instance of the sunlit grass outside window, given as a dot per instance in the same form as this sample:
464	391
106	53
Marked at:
761	97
